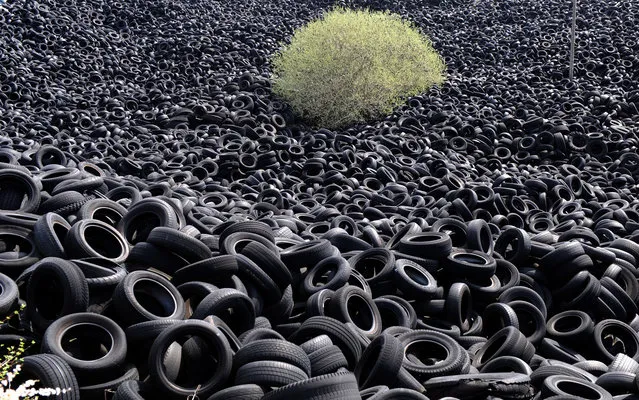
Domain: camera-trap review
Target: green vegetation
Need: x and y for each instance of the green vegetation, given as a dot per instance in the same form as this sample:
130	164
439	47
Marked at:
352	66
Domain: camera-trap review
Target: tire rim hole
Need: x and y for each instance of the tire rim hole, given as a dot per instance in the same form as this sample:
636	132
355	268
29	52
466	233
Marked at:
470	258
388	317
107	215
50	299
360	313
103	242
87	342
370	267
416	275
141	226
426	352
568	323
511	248
424	238
493	348
484	240
324	276
154	298
13	245
199	361
578	389
60	231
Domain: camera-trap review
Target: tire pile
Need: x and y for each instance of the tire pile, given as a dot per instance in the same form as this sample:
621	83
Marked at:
169	230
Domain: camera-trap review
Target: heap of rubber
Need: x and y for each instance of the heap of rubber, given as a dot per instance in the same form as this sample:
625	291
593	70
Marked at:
169	230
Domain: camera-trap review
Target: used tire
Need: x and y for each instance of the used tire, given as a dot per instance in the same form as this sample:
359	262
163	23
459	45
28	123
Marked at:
208	382
93	345
55	288
144	296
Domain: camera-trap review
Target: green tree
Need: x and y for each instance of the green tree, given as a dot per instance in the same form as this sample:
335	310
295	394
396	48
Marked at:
352	66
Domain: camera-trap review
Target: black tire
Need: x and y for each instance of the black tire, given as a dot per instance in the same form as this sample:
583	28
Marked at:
531	321
194	292
234	243
448	357
571	327
340	385
100	391
497	316
13	263
93	238
52	371
400	394
145	215
525	294
15	186
124	195
133	390
617	382
626	245
414	281
272	350
454	228
219	353
470	264
49	233
145	255
336	267
185	246
352	304
268	373
625	341
520	242
56	288
567	385
316	343
17	218
405	231
380	362
89	334
280	311
104	210
552	349
256	276
8	294
317	304
144	296
596	368
393	313
255	227
100	273
65	203
479	236
232	306
140	336
259	334
458	306
214	270
239	392
558	368
507	364
373	391
341	336
428	245
623	363
267	259
375	265
629	305
327	360
506	342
